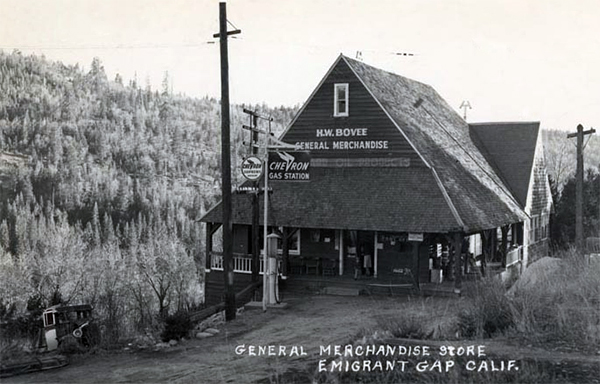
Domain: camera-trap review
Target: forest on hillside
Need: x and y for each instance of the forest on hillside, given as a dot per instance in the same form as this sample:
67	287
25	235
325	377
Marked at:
105	211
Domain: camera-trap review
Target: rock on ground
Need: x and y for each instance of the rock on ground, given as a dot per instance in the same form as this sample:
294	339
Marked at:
536	273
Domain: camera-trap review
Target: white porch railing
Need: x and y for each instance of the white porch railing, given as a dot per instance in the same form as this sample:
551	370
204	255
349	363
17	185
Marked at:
514	256
242	263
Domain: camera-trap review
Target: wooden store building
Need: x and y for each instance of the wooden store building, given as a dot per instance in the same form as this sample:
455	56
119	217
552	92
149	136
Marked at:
400	188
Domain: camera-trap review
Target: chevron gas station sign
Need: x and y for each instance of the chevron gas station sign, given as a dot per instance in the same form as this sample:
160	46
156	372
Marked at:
289	166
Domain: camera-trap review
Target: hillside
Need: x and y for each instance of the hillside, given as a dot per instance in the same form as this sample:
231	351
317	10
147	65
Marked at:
117	174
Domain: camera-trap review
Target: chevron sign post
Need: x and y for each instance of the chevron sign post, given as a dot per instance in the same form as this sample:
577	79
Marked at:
289	166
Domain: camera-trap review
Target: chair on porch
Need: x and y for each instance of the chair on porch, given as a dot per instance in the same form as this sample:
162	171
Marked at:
312	264
328	267
296	266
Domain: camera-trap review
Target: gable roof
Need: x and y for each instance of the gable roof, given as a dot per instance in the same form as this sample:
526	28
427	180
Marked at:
442	138
455	189
510	148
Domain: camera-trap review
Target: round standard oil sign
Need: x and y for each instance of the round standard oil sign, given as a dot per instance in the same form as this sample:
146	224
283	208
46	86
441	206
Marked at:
252	168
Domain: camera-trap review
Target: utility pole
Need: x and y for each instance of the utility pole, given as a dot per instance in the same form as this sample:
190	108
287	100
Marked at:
253	150
230	307
579	186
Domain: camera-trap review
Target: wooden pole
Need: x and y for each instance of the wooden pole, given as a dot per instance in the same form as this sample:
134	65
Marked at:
415	264
265	223
209	246
255	216
504	230
376	256
285	251
341	253
458	238
579	187
226	169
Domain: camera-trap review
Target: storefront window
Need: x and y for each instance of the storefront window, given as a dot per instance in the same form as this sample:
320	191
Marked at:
293	246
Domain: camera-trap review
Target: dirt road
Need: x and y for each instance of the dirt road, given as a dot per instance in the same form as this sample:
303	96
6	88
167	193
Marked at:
299	330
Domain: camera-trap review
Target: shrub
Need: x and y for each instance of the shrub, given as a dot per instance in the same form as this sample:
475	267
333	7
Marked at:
406	325
486	311
177	326
563	306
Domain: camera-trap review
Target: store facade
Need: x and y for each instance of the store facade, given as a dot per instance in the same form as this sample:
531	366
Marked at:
398	187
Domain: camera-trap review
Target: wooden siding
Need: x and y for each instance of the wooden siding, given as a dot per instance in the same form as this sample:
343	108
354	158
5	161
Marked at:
537	251
364	112
539	202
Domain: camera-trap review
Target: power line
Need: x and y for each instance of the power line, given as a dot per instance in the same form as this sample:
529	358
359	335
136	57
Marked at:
104	47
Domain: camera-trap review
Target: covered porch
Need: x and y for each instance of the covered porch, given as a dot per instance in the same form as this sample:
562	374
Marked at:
378	260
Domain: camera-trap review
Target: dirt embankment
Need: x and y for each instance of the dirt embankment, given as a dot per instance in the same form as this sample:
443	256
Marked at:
308	323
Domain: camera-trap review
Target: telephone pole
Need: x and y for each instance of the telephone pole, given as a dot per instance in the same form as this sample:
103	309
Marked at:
230	307
579	186
253	150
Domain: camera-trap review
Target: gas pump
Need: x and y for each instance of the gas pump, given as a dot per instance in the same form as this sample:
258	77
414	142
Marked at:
272	269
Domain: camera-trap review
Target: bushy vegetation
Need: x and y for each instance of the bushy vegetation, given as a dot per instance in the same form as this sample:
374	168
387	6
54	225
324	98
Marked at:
105	210
177	326
563	220
486	311
555	305
563	307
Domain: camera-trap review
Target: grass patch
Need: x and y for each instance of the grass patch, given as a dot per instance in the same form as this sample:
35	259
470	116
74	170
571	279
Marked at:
554	304
562	305
421	318
486	311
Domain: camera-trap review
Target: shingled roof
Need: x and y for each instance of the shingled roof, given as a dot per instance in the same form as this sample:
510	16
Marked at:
442	137
363	200
510	148
456	190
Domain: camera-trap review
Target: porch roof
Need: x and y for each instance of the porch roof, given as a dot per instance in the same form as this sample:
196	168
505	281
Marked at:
353	198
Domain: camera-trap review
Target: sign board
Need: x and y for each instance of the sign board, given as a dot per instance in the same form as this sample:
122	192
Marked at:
415	237
289	166
252	168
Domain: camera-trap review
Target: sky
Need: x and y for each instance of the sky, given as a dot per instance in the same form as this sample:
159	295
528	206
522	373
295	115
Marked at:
513	60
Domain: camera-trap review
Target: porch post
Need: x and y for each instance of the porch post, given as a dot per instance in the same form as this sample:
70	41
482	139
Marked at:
504	243
341	252
458	237
285	251
255	236
415	264
482	237
494	241
375	251
209	246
